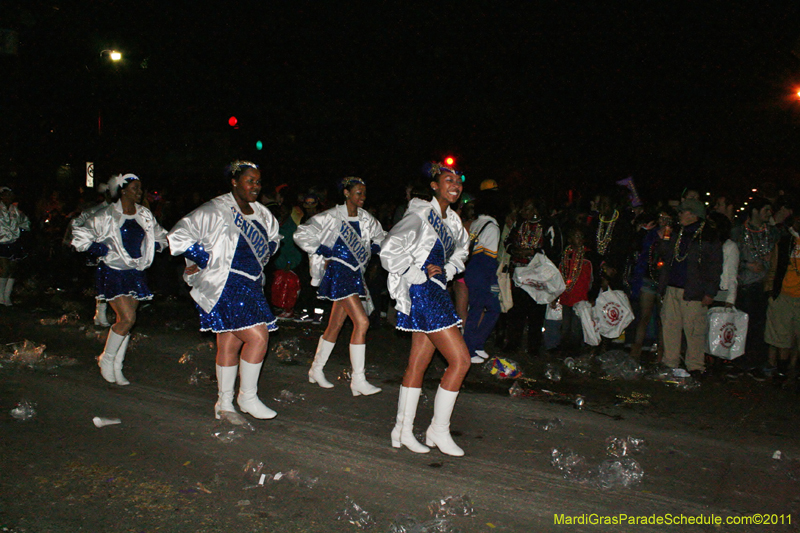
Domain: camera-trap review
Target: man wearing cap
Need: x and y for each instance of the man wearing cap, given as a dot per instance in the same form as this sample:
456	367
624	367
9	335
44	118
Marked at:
689	280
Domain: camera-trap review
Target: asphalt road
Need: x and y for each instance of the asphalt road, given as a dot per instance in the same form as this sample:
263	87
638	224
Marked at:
708	452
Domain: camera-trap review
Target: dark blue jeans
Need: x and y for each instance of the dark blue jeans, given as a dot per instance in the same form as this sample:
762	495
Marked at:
484	310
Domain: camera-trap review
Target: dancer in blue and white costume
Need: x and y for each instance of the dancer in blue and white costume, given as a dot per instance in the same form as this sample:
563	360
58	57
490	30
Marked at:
226	243
339	242
125	237
422	253
12	223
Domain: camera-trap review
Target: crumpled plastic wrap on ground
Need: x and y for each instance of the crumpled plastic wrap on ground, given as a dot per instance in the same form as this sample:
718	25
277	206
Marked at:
609	474
289	397
200	350
451	506
354	514
677	377
620	447
231	427
24	410
618	364
409	524
579	365
547	424
199	377
552	372
287	350
518	391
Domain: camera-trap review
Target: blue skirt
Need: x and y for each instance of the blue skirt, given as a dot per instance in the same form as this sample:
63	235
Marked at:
112	283
340	282
12	251
431	309
242	305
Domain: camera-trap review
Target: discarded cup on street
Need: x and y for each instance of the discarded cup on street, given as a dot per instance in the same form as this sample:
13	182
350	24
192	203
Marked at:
620	447
25	410
103	422
579	401
289	397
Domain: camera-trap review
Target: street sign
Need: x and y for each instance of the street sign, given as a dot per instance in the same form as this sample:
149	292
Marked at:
89	174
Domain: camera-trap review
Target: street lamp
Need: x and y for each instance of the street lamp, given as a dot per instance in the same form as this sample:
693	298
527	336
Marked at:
113	55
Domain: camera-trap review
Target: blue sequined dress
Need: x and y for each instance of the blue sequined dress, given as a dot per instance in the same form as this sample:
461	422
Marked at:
112	283
242	304
431	307
339	281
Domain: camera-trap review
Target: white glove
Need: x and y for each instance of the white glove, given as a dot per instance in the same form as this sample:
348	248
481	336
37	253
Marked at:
415	276
450	271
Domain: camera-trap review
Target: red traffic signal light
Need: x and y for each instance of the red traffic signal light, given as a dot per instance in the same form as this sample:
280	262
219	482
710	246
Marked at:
233	121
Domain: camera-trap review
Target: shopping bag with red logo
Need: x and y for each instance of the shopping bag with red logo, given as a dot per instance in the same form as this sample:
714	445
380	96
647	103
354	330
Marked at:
541	279
613	313
727	332
590	334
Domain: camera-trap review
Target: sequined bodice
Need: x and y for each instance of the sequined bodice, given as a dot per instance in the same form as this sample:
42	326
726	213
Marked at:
132	237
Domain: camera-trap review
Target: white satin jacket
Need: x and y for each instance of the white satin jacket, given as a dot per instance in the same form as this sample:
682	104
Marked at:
12	222
103	227
409	243
212	225
323	229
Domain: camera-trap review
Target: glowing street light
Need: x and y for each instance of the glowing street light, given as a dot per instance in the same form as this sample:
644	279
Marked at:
113	55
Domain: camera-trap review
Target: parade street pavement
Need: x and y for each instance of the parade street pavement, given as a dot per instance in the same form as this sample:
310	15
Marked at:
165	467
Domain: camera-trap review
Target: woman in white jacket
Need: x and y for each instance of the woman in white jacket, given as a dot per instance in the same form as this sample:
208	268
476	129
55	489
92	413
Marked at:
422	253
339	243
124	236
226	243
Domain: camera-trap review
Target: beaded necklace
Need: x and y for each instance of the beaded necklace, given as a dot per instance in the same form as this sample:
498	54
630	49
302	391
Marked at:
571	263
697	233
530	234
605	230
758	241
651	262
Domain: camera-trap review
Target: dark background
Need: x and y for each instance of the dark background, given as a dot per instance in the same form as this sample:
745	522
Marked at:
544	95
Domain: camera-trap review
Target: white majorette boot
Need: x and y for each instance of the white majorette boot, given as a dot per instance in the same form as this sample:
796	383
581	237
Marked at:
106	359
7	292
226	379
315	375
248	391
120	357
358	382
403	432
100	314
438	433
3	282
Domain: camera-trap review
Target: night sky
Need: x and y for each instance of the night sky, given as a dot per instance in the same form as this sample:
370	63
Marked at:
533	94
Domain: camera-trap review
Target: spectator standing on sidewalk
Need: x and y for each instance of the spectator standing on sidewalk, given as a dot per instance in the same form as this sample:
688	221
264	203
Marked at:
340	242
689	281
755	239
226	242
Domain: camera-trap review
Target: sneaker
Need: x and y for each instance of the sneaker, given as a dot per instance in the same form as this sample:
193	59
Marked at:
762	373
478	359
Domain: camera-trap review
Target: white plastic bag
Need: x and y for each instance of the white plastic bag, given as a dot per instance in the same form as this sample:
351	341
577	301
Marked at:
591	335
541	279
613	313
554	313
727	332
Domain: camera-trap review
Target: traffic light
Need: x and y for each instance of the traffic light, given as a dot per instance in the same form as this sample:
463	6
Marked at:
233	122
259	145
